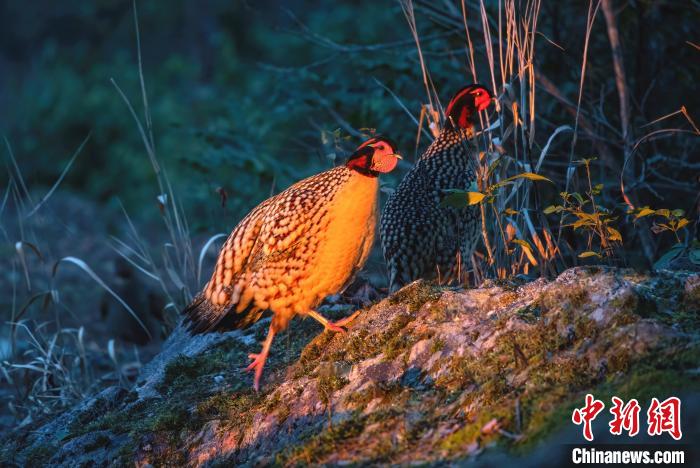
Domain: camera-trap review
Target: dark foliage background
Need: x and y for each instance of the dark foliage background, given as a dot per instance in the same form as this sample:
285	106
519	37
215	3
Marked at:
247	97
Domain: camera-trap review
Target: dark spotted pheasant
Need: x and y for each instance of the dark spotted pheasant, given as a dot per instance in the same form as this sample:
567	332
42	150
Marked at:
296	248
420	238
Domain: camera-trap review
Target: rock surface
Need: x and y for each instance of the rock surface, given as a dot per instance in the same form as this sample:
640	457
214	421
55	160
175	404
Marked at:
429	374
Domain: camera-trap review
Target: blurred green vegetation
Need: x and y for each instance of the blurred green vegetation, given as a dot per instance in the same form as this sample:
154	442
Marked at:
241	93
233	94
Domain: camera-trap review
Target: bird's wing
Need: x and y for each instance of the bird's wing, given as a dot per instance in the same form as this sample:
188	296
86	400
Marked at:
210	306
259	248
296	215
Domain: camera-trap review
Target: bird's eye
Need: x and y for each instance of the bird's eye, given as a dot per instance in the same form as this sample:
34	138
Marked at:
478	93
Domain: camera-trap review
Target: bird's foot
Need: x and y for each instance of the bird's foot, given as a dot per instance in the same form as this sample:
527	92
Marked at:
344	322
257	364
336	327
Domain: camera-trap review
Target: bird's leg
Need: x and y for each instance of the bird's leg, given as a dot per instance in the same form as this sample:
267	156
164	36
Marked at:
344	322
259	359
325	322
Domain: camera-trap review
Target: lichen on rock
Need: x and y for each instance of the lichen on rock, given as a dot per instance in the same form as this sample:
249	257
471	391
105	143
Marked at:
429	374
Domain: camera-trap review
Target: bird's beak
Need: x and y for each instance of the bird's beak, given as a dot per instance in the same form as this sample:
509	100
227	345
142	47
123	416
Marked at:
397	156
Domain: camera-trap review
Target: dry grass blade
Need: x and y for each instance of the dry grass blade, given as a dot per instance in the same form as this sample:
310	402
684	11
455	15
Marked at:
545	150
19	248
7	195
133	263
592	13
203	252
83	266
60	178
18	173
409	13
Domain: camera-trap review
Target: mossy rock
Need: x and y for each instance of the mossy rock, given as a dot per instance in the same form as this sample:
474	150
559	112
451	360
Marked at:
430	374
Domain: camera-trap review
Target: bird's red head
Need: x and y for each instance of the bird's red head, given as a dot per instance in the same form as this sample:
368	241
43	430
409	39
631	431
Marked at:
376	155
466	104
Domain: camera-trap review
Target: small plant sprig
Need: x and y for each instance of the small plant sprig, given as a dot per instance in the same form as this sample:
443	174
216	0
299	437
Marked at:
487	196
666	220
590	216
669	221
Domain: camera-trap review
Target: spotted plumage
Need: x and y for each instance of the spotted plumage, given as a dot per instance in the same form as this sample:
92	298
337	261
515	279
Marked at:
296	248
420	237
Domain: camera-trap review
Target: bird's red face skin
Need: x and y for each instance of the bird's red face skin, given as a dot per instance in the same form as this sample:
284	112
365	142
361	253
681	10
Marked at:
466	104
482	98
374	156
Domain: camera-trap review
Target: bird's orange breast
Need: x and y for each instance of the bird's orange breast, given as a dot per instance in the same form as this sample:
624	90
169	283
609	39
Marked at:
346	241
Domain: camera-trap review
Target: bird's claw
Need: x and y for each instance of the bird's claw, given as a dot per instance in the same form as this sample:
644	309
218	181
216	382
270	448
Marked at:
330	326
257	364
345	321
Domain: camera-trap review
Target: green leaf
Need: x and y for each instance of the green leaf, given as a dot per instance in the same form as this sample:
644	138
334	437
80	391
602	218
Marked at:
578	198
682	223
461	199
582	222
694	256
525	175
474	197
666	213
678	213
525	245
614	234
553	209
589	253
494	165
529	176
646	211
669	256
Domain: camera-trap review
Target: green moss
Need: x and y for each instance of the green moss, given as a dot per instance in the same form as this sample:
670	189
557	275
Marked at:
530	313
40	455
658	375
554	373
170	418
415	295
359	400
329	382
569	298
318	446
126	454
458	441
312	353
101	440
397	345
391	340
232	408
391	393
437	345
184	370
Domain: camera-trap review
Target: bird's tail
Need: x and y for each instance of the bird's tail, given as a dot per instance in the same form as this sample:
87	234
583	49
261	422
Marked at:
202	316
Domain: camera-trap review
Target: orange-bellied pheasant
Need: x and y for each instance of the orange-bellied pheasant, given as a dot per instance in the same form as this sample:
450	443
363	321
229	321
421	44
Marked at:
296	248
420	237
